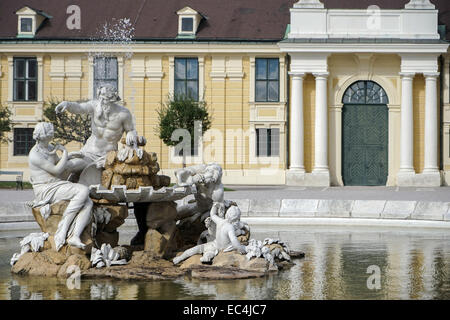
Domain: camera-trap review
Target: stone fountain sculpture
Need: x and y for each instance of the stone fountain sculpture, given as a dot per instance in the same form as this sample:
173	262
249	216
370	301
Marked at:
81	199
109	121
46	168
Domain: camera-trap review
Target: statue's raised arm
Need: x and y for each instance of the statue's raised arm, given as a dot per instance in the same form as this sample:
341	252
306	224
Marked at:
75	107
109	121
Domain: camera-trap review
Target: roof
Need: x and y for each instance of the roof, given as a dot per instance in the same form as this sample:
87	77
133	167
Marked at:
224	20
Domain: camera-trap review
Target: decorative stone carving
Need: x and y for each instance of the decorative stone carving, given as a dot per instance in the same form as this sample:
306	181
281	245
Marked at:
419	4
134	168
106	256
33	242
309	4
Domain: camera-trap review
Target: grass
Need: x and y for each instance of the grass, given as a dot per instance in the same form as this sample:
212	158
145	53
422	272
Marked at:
12	185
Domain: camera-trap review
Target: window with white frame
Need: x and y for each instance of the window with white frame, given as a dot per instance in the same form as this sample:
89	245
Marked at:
105	72
23	141
267	80
186	77
267	142
187	24
25	79
26	25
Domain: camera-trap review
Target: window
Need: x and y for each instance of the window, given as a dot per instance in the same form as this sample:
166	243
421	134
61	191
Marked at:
187	24
267	80
26	24
25	79
23	141
105	72
267	142
186	77
365	92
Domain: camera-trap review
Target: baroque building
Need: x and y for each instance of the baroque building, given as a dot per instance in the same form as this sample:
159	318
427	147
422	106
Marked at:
309	92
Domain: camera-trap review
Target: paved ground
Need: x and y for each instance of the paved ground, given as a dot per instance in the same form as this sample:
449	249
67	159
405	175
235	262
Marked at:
283	192
339	193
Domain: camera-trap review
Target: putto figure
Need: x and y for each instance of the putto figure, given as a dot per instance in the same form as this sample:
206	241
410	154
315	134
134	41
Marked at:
108	121
46	171
208	180
225	236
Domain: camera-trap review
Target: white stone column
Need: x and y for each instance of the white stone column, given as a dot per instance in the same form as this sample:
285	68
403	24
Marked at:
407	124
321	124
296	124
431	129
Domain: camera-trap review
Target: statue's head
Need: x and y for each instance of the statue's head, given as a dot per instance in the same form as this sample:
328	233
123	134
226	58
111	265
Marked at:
43	131
233	214
107	94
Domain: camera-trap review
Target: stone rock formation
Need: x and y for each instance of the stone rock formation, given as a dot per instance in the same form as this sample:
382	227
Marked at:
104	232
134	171
160	239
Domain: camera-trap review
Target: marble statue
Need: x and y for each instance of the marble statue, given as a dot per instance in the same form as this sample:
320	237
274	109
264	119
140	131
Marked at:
208	180
240	227
46	169
32	242
109	121
106	256
225	237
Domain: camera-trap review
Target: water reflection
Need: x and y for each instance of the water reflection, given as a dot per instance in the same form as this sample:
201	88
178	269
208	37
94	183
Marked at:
414	264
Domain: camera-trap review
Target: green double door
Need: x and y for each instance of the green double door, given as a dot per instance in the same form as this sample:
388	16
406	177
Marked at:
365	144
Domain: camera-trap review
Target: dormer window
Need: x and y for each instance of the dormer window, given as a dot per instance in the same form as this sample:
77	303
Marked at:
188	22
29	21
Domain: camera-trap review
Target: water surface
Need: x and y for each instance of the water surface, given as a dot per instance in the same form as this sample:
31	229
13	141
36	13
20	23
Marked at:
414	264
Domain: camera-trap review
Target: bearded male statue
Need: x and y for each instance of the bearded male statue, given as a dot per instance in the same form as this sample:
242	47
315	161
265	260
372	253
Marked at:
109	121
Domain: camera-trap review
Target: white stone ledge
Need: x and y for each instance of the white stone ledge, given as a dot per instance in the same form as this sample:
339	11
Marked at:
264	207
345	222
350	209
301	211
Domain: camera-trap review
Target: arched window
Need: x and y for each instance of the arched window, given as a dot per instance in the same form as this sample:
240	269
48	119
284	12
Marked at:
365	92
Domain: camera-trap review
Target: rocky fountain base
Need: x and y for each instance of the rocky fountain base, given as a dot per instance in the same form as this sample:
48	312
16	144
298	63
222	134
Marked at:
168	230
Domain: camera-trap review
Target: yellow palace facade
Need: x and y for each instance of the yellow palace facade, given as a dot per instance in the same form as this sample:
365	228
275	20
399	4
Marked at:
299	94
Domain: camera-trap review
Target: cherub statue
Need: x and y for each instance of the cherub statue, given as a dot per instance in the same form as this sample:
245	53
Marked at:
241	228
225	236
46	170
208	181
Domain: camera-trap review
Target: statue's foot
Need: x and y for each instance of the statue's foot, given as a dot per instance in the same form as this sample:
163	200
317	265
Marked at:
59	242
138	239
177	260
206	260
76	242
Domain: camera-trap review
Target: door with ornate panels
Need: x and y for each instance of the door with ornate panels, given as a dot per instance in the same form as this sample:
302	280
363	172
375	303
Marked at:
365	135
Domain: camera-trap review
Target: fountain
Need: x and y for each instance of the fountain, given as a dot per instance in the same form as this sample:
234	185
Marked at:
81	199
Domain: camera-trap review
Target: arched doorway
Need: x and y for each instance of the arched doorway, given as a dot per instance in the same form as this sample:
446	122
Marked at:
365	135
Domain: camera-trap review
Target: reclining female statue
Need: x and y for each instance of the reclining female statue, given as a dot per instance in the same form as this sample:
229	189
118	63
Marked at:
46	170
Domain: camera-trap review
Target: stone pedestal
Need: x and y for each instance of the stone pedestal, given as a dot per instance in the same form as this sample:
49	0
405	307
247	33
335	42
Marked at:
432	179
314	179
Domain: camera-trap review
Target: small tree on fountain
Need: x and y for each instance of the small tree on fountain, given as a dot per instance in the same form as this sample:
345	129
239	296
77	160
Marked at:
183	112
68	126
